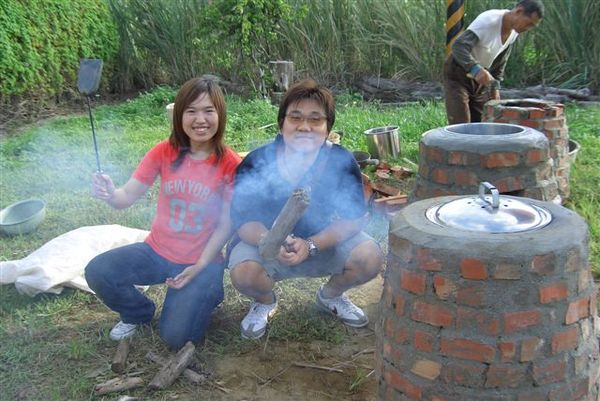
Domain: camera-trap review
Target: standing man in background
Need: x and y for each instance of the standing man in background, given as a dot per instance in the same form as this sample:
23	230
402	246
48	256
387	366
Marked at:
475	67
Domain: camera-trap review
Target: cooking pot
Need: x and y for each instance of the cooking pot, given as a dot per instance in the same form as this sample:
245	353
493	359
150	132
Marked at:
364	159
383	142
489	213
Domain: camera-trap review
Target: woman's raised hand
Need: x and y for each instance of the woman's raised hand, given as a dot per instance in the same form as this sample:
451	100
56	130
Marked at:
102	187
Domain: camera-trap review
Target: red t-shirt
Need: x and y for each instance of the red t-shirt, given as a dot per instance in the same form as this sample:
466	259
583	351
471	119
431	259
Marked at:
190	199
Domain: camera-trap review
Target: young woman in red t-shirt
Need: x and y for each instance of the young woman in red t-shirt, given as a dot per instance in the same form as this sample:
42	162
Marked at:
189	230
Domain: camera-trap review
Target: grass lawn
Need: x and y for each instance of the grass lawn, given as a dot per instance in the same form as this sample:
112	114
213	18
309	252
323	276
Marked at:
55	347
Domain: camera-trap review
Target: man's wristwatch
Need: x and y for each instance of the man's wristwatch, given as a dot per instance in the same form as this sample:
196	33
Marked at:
312	248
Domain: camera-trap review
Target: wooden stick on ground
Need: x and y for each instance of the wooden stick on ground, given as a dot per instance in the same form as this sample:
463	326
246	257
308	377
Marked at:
284	224
173	368
118	384
119	362
193	377
307	365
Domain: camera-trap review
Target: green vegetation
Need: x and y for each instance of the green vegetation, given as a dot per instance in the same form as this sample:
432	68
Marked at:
54	161
42	41
148	43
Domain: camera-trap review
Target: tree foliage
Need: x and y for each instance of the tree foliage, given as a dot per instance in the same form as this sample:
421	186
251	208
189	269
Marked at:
42	41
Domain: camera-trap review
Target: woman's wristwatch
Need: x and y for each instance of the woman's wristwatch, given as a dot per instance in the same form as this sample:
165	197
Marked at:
312	248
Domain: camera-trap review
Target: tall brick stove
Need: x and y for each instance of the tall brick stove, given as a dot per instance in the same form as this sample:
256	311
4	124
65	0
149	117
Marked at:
453	160
469	315
545	116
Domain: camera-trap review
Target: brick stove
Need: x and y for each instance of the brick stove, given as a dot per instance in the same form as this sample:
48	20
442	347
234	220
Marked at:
479	316
453	161
545	116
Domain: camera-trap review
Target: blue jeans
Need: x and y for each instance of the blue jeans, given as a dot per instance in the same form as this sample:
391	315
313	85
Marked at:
186	312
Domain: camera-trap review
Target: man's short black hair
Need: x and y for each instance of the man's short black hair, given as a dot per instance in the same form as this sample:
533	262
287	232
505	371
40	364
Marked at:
532	6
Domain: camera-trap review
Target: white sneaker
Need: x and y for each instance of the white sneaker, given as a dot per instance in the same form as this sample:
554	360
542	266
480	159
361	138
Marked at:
342	308
122	331
254	325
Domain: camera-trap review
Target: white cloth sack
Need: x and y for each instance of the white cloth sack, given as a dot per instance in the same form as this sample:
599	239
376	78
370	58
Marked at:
62	260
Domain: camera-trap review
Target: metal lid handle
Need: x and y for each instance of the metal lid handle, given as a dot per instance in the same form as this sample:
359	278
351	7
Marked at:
493	190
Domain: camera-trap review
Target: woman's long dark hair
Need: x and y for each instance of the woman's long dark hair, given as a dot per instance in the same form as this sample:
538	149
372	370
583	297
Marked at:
188	93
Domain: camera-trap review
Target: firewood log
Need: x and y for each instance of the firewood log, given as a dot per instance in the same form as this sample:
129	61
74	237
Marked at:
284	224
119	361
118	384
193	377
173	368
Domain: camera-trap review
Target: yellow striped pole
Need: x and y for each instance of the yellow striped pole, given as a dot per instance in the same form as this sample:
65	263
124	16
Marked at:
455	13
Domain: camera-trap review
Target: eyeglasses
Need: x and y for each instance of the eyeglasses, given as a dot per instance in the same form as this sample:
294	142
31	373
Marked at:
314	120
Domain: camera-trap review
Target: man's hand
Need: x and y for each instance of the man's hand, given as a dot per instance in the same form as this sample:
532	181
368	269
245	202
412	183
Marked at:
183	278
293	252
484	77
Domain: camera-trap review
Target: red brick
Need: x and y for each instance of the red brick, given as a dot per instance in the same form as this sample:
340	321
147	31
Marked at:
424	170
547	371
511	114
467	349
543	264
402	336
584	280
509	184
500	159
472	296
402	384
508	350
473	269
434	315
465	374
564	340
401	248
423	341
426	261
556	111
535	156
535	124
577	310
390	352
516	321
478	322
573	261
435	155
444	287
430	370
503	376
533	395
465	178
387	295
554	123
389	327
399	303
506	271
530	348
571	391
390	394
553	292
535	113
457	158
413	282
439	175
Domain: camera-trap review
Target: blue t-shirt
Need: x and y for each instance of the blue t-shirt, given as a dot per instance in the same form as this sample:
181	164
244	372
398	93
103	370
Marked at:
260	192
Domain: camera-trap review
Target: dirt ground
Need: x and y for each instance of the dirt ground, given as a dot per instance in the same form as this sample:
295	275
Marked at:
271	373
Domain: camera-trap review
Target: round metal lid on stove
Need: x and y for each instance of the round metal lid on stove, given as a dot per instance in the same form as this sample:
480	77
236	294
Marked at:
489	213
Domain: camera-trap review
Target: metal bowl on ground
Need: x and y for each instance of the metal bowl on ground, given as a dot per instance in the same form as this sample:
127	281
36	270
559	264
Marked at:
574	147
22	217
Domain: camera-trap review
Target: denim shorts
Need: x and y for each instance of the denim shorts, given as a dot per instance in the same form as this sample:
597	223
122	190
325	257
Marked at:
326	263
